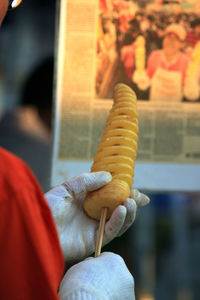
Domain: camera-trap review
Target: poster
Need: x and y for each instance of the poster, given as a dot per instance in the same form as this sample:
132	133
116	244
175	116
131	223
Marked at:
152	46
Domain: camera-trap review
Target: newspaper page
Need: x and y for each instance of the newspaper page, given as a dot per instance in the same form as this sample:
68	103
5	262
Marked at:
154	47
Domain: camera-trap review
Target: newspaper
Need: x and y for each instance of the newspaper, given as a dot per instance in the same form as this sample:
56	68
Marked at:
95	51
168	133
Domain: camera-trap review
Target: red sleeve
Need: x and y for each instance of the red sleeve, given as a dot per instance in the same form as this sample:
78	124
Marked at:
152	63
31	261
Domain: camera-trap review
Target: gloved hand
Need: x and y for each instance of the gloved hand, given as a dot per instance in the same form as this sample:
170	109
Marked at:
191	88
102	278
141	79
77	231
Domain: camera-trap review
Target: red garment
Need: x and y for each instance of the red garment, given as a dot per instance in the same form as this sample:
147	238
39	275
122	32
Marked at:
192	38
103	5
31	260
157	60
128	59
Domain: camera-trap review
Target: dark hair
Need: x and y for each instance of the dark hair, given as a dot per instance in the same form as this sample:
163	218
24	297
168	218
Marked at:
160	26
195	23
38	88
134	24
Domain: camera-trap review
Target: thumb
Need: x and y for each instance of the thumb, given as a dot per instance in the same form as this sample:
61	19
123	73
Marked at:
87	182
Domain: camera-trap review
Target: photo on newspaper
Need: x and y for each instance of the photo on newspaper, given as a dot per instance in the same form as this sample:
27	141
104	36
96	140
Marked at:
153	47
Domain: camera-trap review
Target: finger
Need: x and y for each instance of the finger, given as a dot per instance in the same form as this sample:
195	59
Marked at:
87	182
140	198
131	209
57	192
95	180
115	223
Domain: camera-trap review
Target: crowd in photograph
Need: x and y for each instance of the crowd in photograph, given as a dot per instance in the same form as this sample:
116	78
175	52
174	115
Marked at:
156	52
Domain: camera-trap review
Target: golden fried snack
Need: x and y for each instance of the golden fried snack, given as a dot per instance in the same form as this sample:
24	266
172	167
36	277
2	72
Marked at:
140	53
194	62
116	154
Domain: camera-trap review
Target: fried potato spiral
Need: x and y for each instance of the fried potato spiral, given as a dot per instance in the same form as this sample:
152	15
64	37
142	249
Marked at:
116	153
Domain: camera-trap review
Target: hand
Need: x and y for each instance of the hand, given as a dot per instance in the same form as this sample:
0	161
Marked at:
77	231
191	88
102	278
141	79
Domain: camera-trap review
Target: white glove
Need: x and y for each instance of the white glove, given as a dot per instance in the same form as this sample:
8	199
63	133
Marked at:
141	79
77	231
102	278
191	88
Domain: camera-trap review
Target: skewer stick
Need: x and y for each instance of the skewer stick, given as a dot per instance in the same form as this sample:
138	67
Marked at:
101	231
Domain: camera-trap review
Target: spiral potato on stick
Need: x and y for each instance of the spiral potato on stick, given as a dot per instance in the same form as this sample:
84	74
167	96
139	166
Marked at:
116	154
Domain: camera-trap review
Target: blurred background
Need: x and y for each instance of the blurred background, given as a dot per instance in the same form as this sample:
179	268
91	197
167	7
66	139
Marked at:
26	84
162	248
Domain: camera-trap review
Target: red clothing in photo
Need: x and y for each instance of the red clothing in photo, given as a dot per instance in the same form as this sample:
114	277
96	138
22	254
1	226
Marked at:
192	38
128	59
31	259
157	60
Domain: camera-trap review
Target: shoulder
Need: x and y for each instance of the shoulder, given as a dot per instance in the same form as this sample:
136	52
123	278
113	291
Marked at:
155	54
11	164
15	176
127	48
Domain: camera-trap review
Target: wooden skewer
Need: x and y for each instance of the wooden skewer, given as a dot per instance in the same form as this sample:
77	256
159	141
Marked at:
101	231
